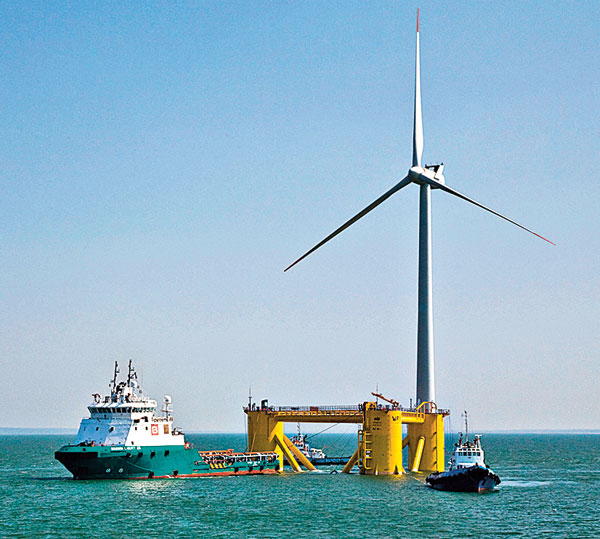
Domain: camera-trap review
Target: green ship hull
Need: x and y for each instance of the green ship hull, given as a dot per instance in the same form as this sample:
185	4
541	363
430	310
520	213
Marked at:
138	462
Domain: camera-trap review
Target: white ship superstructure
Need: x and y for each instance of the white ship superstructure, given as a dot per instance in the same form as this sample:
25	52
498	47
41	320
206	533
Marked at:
127	418
467	454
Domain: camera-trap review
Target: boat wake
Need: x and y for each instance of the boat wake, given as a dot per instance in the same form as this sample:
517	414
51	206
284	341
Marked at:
526	484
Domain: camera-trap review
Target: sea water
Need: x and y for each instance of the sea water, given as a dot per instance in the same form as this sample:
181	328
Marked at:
550	488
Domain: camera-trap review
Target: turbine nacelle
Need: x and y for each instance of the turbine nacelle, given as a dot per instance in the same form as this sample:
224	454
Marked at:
430	175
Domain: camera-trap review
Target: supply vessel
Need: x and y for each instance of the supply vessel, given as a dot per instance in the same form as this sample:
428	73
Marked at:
126	438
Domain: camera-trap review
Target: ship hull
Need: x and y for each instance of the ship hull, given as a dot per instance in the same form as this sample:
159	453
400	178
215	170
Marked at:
473	479
324	461
150	462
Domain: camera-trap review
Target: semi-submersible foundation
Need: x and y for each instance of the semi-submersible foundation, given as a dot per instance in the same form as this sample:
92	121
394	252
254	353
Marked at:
380	439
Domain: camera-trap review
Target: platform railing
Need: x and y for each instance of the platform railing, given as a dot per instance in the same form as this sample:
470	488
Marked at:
342	408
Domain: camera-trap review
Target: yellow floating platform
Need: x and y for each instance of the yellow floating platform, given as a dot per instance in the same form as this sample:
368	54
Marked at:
380	439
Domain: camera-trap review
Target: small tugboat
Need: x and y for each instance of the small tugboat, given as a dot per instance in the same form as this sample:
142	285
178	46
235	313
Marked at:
311	453
314	454
124	439
468	471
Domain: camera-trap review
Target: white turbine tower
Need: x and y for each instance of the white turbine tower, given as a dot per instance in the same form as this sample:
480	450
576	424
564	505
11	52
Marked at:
427	178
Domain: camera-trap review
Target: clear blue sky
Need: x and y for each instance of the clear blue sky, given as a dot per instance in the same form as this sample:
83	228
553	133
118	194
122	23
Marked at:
162	163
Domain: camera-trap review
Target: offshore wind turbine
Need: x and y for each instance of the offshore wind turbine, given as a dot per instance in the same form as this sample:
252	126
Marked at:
428	178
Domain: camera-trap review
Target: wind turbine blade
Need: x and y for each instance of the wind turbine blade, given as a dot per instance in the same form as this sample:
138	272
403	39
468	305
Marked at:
460	195
358	216
418	120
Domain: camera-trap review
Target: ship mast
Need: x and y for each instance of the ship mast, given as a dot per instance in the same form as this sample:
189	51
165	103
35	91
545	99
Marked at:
466	426
131	374
114	380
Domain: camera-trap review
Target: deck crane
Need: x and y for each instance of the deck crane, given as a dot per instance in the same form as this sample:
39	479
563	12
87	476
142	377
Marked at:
393	402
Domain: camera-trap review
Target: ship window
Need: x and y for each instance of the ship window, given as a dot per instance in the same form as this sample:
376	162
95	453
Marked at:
167	453
166	429
111	429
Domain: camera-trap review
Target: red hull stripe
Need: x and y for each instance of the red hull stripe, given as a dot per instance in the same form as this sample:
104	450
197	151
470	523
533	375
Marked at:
198	475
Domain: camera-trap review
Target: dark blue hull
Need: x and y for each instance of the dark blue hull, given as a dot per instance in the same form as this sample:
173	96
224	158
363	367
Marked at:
328	461
473	479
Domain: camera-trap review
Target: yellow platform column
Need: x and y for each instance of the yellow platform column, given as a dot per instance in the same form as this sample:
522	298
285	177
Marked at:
351	462
287	454
380	441
262	429
432	450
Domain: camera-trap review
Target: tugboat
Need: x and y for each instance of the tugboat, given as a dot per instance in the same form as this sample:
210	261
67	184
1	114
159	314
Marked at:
311	453
315	455
468	471
124	439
